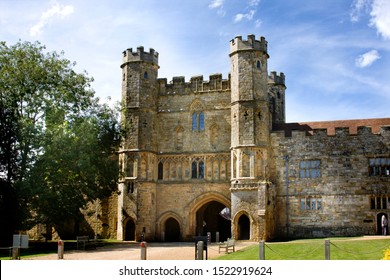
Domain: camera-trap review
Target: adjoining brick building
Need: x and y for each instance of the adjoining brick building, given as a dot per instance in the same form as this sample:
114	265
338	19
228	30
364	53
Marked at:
193	149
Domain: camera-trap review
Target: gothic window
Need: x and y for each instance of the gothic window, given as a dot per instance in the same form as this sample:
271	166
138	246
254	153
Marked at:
310	169
160	171
258	64
198	121
379	167
145	75
197	170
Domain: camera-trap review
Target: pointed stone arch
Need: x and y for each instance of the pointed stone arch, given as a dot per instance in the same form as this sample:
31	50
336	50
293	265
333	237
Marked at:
243	225
199	202
197	105
173	233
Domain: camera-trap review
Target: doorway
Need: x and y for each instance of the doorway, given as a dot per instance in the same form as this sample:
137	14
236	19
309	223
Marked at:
379	223
172	230
130	230
244	226
209	219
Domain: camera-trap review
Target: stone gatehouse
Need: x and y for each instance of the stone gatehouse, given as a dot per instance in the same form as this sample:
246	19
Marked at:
195	148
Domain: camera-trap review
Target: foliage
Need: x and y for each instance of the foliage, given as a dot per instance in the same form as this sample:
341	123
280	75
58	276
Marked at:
387	255
57	141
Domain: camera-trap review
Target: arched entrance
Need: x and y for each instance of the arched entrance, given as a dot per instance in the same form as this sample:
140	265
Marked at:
130	230
243	227
379	223
172	230
208	219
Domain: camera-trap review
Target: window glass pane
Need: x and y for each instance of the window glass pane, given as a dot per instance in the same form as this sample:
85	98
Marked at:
302	164
201	170
194	170
201	121
372	162
160	170
319	204
302	174
194	121
302	204
313	204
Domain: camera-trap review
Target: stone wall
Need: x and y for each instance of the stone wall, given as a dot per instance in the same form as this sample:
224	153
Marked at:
337	200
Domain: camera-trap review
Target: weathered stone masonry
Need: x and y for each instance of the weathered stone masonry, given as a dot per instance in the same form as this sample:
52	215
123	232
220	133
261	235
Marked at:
194	148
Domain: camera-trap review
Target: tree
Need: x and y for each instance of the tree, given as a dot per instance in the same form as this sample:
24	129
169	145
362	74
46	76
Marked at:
59	140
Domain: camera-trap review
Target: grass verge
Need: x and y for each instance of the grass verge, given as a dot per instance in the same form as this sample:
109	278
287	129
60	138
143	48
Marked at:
340	249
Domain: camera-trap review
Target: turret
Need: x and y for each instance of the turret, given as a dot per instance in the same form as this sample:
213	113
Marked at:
276	92
250	132
139	96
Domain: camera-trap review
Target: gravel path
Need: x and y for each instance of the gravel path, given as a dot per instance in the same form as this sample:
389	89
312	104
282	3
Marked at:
131	251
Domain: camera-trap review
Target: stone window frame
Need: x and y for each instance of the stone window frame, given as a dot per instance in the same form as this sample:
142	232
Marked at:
198	121
198	169
379	166
311	203
310	169
379	202
160	171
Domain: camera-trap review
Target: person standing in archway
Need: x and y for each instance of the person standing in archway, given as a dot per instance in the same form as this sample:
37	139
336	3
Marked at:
384	225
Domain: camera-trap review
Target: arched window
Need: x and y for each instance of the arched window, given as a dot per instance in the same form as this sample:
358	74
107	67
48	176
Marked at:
201	121
194	121
198	121
197	170
194	169
201	170
145	75
258	64
160	171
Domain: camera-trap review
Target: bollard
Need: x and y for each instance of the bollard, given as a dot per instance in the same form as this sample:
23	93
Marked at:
15	253
217	237
199	250
60	249
261	250
143	250
327	249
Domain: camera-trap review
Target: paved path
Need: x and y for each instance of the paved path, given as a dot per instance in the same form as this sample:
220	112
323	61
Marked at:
131	251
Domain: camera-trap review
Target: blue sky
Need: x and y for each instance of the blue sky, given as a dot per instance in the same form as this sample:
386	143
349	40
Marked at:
335	53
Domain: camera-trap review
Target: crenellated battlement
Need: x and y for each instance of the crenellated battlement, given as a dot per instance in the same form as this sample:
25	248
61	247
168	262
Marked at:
178	85
238	44
334	129
140	55
275	79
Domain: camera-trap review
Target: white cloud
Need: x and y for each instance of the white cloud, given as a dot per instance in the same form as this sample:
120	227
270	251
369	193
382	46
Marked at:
367	59
359	7
56	10
216	4
254	3
247	16
380	17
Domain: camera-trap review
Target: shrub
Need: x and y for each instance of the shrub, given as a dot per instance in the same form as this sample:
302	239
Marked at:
387	254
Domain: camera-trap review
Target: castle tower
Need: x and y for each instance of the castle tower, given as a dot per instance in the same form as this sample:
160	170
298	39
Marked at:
250	130
138	149
276	92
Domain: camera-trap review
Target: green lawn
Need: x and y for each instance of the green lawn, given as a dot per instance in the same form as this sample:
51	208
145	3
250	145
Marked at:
314	249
